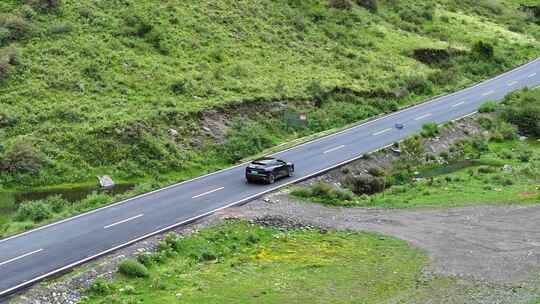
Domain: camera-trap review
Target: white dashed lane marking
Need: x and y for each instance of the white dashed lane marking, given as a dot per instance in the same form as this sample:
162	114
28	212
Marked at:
208	192
423	116
20	257
334	149
123	221
382	132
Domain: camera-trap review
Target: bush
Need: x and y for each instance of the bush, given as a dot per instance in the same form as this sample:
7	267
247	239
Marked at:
370	5
145	259
45	5
340	4
488	107
523	110
324	193
245	139
484	50
134	269
376	171
431	56
364	184
430	130
60	28
486	169
36	211
507	131
525	155
100	287
14	28
412	148
56	203
22	157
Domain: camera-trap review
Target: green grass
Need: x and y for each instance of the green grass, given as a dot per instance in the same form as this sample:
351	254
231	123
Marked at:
244	263
470	185
99	84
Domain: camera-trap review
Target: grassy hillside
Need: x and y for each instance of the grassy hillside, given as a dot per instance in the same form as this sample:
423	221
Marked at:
120	87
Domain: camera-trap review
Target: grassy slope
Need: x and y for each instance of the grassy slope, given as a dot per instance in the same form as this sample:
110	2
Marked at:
78	93
462	188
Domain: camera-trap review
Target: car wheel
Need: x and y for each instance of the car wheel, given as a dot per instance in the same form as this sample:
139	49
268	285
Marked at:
271	178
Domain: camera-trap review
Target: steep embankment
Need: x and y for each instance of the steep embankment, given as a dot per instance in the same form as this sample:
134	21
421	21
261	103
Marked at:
124	87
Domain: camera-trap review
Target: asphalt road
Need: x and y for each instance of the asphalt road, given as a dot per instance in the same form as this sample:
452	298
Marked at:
32	256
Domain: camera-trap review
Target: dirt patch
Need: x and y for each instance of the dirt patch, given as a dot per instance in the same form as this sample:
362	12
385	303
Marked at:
214	124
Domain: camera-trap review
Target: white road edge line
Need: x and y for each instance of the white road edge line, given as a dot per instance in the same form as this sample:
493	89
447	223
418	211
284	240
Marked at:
209	192
511	83
458	104
20	257
433	100
488	93
532	75
7	291
381	132
423	116
124	221
334	149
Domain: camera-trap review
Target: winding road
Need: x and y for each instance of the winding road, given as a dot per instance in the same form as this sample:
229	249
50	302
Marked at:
40	253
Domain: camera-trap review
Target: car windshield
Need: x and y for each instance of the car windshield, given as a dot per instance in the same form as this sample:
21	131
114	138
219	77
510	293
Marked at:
264	162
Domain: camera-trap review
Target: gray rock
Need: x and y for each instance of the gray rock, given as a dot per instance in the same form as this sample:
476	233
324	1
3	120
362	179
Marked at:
106	181
507	168
173	132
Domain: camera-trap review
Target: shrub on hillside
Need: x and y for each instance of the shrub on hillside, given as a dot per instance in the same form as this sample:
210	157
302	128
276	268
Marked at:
9	58
22	157
488	107
413	148
484	50
7	120
523	110
418	85
324	193
100	287
13	28
431	56
370	5
245	139
133	269
364	184
45	5
430	130
36	211
340	4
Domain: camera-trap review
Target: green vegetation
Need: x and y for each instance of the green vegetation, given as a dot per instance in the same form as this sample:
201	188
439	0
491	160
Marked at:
90	88
430	130
488	107
239	262
324	193
134	269
482	170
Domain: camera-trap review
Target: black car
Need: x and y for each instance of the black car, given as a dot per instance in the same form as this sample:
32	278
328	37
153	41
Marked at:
268	170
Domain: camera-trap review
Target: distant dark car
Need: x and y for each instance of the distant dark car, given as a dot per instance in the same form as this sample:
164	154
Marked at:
268	170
